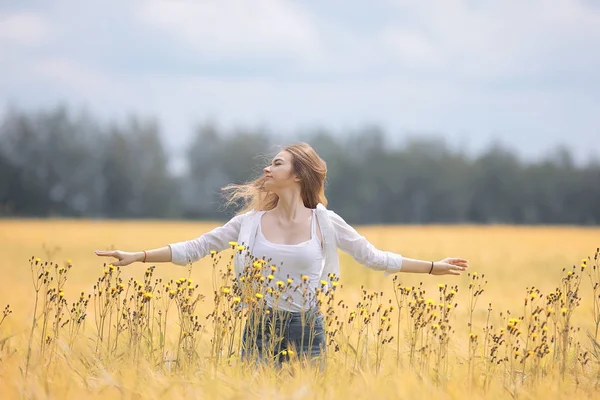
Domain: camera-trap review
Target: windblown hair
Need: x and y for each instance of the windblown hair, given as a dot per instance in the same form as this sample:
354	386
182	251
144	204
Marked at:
306	163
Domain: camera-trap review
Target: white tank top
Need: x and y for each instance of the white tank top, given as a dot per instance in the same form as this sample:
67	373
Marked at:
292	261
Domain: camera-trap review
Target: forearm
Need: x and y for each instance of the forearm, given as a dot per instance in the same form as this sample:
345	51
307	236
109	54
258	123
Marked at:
161	254
415	266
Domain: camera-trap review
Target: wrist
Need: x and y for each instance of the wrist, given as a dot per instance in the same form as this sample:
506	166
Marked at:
139	256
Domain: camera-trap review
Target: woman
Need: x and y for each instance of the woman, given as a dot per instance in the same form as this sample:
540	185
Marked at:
285	222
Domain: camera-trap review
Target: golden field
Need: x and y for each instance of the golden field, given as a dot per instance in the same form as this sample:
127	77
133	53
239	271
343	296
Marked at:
510	259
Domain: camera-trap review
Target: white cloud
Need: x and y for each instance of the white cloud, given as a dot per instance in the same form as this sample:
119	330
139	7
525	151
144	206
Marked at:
496	38
234	28
26	29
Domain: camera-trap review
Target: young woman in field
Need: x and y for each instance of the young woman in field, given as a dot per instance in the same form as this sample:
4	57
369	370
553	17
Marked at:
286	224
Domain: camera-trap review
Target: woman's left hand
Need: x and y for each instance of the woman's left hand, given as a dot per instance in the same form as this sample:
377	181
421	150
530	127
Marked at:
450	266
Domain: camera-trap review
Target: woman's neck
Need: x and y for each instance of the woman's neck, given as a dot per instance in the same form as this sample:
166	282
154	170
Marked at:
289	206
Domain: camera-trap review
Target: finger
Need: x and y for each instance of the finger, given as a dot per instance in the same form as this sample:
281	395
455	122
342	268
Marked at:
105	253
458	261
460	264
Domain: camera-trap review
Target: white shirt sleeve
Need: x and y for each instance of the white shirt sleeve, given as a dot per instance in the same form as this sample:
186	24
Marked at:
364	252
189	251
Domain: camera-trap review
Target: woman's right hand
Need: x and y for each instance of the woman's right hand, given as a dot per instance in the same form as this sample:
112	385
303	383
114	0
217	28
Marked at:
123	257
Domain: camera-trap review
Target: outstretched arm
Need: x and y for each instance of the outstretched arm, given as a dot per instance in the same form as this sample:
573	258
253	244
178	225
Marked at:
364	252
218	239
182	253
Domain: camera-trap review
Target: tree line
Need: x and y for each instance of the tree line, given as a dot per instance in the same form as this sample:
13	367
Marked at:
54	163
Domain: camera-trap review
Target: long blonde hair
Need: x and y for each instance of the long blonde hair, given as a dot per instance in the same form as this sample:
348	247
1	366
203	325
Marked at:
306	163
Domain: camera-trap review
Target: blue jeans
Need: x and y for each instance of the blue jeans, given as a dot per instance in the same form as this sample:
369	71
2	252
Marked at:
269	337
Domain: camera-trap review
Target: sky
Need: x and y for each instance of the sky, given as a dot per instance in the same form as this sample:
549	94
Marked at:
526	72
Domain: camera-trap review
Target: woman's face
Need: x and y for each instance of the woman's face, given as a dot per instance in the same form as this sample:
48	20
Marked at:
279	174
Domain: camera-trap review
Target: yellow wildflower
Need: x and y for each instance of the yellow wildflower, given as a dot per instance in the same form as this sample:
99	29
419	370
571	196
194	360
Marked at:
259	295
240	248
233	244
225	290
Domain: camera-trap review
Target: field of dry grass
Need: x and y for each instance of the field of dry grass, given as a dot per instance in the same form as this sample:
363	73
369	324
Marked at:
533	350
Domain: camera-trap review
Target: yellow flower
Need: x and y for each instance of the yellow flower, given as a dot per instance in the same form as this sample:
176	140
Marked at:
237	299
240	248
61	294
280	283
290	281
429	302
453	292
291	352
305	278
334	284
172	292
474	274
225	290
37	259
273	268
148	295
190	281
435	326
259	295
323	283
270	277
233	244
213	252
449	306
441	285
564	311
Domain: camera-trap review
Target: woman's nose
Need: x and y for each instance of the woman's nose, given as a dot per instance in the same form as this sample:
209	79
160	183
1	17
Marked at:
266	170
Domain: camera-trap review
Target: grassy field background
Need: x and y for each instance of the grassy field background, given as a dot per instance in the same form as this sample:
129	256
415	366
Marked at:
511	258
